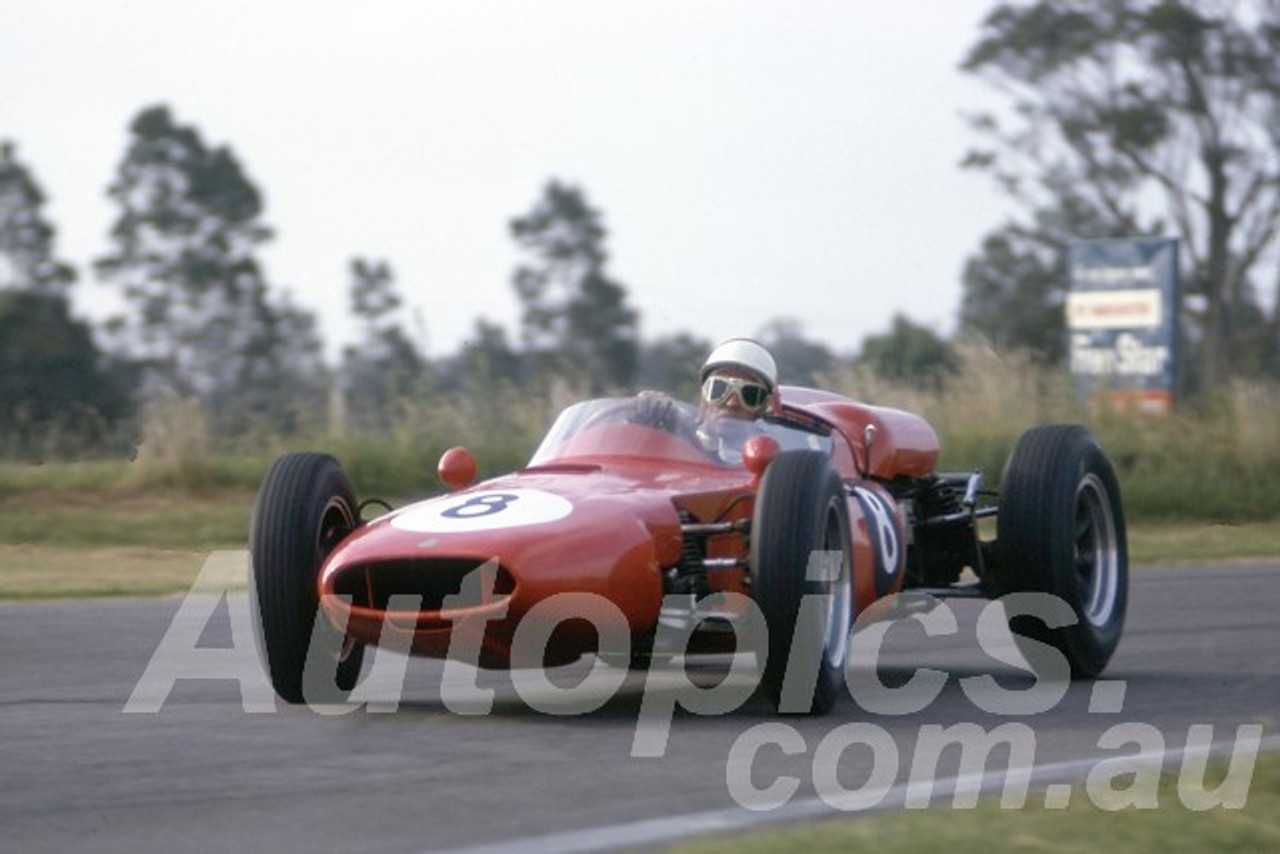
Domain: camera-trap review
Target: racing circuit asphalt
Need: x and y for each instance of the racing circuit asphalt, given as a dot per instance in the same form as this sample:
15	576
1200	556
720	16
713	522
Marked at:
1202	646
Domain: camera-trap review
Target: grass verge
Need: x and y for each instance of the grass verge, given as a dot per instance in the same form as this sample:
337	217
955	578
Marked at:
153	519
158	545
50	572
1083	826
1173	543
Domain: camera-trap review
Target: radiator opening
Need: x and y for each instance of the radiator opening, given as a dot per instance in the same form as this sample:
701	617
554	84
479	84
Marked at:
429	581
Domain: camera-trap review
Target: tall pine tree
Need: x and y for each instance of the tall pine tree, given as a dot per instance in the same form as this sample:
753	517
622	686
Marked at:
27	259
575	316
386	368
202	320
57	392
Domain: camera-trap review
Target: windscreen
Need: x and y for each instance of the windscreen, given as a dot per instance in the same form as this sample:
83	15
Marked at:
676	431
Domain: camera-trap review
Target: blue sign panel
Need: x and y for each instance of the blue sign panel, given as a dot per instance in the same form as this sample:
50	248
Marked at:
1122	319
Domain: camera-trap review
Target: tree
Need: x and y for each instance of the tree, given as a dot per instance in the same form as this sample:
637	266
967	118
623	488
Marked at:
57	394
574	315
671	363
1015	290
488	359
908	353
374	298
1144	118
202	320
282	378
386	368
27	260
800	361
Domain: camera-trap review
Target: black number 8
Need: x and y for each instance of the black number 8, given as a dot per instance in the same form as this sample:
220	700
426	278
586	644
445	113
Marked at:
480	505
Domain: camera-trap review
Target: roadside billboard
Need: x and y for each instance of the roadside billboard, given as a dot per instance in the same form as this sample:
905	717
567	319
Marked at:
1122	321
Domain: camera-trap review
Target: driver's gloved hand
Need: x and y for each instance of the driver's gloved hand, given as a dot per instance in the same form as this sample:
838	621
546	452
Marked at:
655	409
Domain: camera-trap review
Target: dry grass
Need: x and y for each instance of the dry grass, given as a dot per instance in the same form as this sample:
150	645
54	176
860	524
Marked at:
1218	461
1082	827
50	572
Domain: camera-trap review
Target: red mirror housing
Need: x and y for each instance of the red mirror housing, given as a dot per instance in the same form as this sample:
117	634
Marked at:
758	452
457	468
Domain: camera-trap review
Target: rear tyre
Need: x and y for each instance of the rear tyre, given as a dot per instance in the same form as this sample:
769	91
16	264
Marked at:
305	507
802	581
1062	531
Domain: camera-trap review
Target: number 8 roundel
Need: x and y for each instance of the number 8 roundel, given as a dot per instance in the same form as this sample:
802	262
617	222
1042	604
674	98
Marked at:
488	510
886	540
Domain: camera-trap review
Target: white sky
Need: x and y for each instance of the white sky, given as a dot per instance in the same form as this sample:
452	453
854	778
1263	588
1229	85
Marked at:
752	160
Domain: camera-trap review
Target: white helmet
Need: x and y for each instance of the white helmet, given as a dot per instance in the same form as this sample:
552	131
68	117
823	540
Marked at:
743	353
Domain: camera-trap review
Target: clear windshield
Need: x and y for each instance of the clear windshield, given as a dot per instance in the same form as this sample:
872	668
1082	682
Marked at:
661	428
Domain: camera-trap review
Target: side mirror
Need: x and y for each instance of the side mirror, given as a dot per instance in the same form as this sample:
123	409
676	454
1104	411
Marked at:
457	468
758	452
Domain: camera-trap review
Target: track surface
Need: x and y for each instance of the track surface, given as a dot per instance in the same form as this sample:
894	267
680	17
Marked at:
1202	646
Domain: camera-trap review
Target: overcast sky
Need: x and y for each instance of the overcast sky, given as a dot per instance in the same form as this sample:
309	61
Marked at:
752	160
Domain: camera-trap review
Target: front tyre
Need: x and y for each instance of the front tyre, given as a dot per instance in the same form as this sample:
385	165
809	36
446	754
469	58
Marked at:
305	507
802	581
1062	532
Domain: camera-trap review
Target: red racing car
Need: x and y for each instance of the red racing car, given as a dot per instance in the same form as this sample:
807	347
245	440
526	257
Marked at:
662	527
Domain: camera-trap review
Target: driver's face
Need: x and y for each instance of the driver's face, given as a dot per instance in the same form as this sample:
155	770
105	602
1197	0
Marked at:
733	405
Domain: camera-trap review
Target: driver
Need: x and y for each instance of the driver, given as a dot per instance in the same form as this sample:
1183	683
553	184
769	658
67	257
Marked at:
739	384
739	379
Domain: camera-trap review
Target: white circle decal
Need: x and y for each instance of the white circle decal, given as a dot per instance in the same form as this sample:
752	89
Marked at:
487	510
883	528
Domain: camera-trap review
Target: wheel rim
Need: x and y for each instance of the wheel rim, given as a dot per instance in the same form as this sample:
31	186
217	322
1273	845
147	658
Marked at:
336	521
1097	553
840	595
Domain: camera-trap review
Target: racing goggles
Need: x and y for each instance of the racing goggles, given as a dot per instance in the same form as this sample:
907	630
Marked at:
751	394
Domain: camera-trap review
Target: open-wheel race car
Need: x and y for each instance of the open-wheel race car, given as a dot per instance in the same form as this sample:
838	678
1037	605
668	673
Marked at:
670	528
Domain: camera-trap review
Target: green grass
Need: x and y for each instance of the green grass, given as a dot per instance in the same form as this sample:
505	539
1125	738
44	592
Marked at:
130	542
51	572
114	541
1171	542
1200	485
1081	827
159	519
18	478
1215	461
